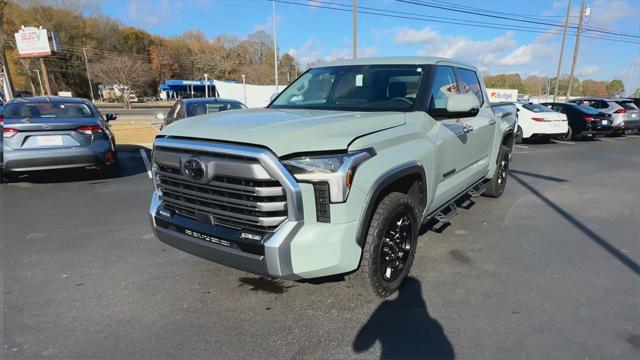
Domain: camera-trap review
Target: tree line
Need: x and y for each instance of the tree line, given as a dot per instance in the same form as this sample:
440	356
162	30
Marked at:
108	43
539	85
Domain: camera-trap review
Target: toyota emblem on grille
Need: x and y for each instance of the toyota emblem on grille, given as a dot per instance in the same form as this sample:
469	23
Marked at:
194	168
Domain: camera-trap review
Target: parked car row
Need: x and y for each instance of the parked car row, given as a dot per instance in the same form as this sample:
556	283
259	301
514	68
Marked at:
578	118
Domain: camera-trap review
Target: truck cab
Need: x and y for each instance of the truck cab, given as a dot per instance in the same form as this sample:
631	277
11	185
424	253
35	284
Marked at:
337	174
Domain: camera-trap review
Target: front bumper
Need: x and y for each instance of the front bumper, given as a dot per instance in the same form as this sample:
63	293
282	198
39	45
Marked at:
57	158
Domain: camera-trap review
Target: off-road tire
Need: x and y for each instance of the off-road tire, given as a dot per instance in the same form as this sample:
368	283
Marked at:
369	276
495	187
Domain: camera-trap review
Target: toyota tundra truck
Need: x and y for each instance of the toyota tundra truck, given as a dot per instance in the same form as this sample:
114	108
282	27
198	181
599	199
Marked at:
337	174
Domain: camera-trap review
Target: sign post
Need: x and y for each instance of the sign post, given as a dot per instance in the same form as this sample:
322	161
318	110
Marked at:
34	42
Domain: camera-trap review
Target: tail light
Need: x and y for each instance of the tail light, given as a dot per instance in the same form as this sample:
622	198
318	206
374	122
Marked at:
588	118
7	132
1	120
90	130
540	120
621	111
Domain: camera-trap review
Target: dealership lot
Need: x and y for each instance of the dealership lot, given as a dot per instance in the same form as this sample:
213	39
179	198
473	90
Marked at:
549	270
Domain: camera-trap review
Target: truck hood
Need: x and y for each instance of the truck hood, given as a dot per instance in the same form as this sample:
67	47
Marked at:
286	131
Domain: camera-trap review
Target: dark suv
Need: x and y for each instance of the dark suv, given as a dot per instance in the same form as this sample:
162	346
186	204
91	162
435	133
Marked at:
584	121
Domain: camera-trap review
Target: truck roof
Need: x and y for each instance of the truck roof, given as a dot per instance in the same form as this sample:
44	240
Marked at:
396	60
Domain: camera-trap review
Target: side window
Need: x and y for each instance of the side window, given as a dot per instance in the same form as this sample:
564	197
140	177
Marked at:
180	111
172	111
444	85
469	83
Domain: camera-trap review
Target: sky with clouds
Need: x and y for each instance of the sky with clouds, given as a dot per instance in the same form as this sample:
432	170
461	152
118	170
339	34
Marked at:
493	43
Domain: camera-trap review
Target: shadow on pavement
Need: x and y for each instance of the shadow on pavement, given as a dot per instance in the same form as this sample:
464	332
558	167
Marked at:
404	328
538	176
624	259
130	163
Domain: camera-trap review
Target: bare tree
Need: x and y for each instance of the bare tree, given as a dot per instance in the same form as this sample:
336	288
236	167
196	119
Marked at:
124	72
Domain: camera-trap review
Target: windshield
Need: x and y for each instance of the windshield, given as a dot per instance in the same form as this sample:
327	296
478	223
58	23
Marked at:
354	88
536	108
47	110
201	108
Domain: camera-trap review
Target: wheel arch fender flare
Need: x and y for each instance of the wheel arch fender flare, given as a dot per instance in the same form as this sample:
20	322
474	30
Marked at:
382	183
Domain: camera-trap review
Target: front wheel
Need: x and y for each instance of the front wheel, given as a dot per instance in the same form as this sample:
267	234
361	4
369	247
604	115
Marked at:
495	186
390	246
518	137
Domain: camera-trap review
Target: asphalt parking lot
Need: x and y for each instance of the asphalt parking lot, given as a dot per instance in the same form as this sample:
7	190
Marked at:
548	271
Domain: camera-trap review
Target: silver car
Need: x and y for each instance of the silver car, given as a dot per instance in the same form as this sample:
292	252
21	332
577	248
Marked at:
625	115
46	133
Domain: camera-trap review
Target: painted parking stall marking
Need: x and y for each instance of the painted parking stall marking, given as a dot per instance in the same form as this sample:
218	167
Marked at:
147	164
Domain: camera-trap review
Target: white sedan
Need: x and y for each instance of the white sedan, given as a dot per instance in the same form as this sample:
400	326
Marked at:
537	121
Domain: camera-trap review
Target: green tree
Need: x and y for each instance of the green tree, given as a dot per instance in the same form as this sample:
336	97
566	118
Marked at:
615	87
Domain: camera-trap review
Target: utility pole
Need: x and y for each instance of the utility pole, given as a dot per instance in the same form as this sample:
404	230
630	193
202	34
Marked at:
45	75
244	87
576	48
5	85
564	38
275	43
355	29
40	82
86	65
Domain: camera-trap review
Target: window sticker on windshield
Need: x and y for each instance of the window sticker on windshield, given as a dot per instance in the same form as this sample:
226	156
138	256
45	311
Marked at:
359	79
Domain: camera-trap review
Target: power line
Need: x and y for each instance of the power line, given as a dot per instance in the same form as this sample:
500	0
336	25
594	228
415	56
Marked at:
488	13
432	19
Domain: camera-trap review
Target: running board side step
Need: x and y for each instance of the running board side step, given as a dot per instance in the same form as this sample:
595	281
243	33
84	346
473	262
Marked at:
442	217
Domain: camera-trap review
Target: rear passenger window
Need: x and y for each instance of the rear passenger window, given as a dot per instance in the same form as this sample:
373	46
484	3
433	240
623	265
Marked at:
444	85
470	84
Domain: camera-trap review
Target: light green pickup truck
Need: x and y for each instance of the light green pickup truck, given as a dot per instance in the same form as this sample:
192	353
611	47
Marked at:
337	175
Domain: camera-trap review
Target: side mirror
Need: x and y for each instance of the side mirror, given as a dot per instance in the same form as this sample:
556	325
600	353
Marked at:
110	117
160	117
273	96
462	103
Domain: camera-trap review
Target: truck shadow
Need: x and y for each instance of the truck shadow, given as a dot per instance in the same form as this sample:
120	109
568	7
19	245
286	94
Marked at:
597	239
130	164
404	328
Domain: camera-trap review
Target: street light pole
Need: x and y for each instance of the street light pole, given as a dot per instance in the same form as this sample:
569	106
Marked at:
355	29
86	65
40	82
564	37
244	88
206	85
275	43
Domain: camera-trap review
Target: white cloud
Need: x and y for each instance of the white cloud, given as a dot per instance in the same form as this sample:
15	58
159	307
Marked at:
587	70
312	52
152	13
408	35
605	14
268	24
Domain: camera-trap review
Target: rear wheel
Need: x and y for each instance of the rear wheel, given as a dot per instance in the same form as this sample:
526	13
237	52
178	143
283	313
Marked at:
390	246
568	135
518	137
495	187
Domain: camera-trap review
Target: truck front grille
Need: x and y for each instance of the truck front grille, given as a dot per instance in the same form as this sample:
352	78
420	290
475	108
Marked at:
258	202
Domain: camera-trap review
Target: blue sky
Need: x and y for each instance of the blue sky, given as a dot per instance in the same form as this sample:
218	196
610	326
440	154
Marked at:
313	33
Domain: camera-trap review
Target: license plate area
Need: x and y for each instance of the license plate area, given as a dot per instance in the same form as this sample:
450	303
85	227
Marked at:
49	140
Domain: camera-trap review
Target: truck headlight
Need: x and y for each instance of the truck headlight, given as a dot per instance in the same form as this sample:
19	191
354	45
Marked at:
338	170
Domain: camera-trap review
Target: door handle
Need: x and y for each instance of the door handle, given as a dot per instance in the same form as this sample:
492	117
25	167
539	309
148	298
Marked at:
467	129
492	121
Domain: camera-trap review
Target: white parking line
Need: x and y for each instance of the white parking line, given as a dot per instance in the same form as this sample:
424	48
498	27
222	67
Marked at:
522	146
634	136
607	140
562	142
147	164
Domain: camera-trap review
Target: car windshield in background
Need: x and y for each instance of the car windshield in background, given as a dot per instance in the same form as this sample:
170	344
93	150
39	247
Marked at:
354	88
202	108
47	110
536	108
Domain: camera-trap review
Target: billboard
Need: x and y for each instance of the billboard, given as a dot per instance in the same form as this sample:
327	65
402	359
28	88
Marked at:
498	95
32	42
